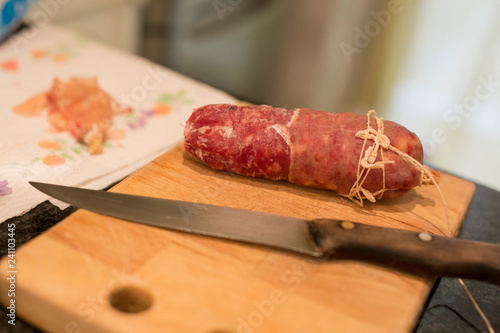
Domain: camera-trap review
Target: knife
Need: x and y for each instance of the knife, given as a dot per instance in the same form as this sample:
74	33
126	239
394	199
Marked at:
414	252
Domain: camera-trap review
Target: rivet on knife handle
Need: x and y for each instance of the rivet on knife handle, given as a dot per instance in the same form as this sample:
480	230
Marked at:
407	250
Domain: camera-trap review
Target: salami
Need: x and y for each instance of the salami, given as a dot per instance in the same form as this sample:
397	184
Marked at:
354	155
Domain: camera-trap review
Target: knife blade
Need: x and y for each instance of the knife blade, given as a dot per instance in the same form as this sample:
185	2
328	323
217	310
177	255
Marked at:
418	253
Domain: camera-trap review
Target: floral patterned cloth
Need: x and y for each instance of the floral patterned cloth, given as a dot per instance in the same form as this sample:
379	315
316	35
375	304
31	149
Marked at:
161	99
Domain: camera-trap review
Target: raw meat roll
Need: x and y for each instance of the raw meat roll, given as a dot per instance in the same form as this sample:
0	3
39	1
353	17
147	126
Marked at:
357	156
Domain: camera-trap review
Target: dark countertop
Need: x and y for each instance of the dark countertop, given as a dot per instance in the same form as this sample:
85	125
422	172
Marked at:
448	308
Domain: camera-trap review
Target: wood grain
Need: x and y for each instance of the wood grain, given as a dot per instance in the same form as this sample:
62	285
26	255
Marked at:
67	275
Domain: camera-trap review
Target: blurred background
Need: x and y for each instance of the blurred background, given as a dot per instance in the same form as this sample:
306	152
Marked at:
433	66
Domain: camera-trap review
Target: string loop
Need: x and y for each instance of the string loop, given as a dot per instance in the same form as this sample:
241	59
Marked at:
368	161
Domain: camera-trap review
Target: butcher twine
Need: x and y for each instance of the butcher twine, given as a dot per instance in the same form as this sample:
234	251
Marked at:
368	162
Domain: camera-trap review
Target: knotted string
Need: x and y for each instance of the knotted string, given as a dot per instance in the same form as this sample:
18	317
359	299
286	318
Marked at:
368	161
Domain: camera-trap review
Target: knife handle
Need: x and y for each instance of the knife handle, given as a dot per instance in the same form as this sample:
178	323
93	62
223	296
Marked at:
407	250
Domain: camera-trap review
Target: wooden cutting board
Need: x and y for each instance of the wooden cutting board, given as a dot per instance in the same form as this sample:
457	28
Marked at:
84	274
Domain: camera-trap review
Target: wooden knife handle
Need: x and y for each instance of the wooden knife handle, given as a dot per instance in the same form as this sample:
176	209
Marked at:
407	250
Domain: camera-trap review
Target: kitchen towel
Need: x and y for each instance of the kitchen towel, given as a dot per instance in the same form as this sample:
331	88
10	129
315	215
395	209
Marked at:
30	149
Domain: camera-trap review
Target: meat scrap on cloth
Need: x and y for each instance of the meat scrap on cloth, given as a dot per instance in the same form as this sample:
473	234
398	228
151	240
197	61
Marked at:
361	157
78	106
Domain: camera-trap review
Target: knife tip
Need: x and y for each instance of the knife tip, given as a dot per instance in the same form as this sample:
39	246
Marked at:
39	186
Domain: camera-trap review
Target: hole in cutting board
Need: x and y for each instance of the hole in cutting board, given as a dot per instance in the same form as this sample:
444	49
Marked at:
131	299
